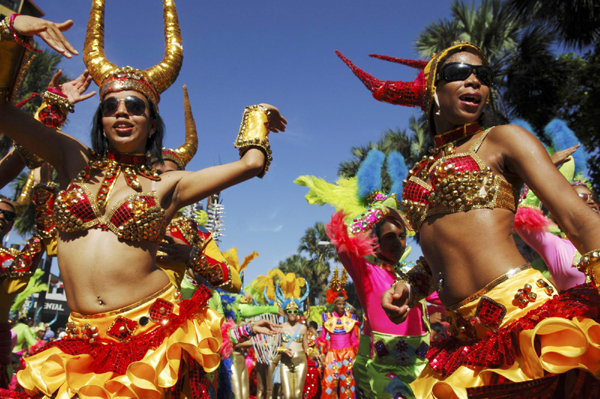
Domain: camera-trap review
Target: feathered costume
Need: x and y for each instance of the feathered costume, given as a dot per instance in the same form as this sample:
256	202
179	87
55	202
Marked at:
381	369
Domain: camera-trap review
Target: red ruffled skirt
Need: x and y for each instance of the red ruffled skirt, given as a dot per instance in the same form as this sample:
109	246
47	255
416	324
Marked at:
159	347
517	338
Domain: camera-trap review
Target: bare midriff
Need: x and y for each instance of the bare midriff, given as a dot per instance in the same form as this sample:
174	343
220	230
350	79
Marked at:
98	267
468	250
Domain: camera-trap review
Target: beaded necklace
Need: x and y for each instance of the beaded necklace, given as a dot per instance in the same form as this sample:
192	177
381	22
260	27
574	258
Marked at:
112	165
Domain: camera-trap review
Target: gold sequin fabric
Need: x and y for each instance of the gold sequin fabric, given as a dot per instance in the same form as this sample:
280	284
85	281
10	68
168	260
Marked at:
454	183
137	217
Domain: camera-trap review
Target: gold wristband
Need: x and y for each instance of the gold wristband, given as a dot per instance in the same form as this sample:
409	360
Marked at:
254	132
32	161
589	264
65	105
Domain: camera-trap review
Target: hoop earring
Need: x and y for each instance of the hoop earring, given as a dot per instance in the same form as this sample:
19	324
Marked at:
437	102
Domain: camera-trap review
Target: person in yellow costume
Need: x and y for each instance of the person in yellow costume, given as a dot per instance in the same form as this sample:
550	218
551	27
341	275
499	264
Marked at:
512	335
130	333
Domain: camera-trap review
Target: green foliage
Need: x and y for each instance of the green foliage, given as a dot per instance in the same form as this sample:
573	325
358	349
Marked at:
411	145
312	261
576	21
43	67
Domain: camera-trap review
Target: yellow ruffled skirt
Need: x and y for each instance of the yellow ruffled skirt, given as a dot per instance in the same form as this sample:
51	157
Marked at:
514	339
144	350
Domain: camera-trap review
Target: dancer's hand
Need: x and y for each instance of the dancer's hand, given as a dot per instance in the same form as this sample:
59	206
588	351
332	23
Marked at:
48	31
560	157
266	327
395	302
276	121
280	310
74	89
289	352
175	251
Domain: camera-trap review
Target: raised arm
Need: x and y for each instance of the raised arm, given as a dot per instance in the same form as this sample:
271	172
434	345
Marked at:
10	166
255	151
33	136
525	156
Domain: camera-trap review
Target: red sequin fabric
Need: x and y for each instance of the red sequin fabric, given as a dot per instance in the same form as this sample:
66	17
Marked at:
502	347
137	217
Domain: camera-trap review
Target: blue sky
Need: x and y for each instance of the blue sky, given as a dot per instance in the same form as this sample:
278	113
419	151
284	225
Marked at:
239	53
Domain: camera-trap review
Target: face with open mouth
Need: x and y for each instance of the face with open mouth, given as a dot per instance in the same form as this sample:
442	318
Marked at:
461	101
126	129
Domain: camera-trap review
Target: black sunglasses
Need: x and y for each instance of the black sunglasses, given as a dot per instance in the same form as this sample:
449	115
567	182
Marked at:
454	71
134	105
10	216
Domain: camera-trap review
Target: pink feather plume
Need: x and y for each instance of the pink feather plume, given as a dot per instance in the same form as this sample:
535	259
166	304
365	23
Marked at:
530	219
358	245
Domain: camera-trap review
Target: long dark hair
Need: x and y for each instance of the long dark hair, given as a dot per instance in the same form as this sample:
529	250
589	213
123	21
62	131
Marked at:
153	145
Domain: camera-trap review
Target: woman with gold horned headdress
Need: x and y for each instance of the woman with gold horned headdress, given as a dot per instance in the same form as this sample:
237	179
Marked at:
130	334
511	334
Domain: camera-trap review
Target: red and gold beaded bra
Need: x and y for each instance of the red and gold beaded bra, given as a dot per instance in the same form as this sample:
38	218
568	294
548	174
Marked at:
449	182
137	217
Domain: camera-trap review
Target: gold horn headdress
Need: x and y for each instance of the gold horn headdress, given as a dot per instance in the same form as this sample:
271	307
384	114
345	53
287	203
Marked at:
150	82
184	154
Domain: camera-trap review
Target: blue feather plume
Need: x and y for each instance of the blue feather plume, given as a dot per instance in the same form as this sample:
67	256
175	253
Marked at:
369	173
562	138
397	170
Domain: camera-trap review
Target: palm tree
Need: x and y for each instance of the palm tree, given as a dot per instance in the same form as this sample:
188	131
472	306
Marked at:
577	22
43	67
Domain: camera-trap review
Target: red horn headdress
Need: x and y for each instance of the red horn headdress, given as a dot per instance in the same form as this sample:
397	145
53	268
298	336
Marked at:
409	94
418	93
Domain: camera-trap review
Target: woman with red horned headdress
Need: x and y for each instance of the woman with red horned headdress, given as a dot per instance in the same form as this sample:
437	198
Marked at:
130	334
512	335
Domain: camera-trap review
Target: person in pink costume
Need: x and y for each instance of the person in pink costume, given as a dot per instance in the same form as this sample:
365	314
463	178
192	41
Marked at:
559	254
390	356
341	327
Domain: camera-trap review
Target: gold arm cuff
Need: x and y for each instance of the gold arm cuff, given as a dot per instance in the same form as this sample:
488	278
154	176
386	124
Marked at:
32	161
65	105
589	264
254	132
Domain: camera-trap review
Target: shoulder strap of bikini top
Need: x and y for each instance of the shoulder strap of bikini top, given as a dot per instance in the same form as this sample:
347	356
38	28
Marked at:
477	144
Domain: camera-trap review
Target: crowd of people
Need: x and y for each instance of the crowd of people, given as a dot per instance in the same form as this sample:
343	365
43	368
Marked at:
157	309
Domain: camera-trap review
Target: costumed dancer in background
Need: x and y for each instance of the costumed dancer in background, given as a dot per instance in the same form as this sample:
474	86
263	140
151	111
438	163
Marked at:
294	344
340	328
538	231
314	358
188	254
237	307
369	235
511	334
125	320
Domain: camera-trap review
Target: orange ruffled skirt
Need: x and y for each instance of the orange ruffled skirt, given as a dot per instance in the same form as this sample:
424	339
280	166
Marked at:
516	348
140	351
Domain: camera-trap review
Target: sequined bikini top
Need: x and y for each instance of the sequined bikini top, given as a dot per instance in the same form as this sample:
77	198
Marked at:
137	217
285	337
458	182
